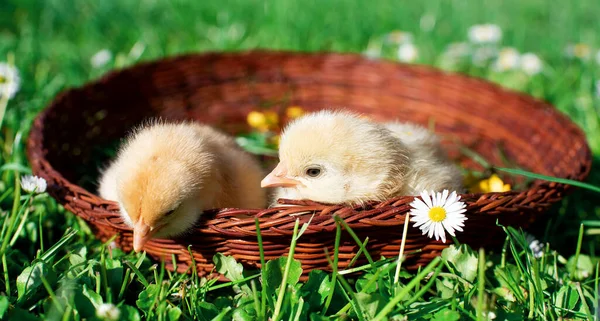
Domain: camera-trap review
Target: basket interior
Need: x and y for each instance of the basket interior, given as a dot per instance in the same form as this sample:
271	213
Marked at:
84	125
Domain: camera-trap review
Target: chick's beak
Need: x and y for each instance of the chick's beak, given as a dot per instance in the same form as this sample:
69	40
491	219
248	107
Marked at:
141	234
277	178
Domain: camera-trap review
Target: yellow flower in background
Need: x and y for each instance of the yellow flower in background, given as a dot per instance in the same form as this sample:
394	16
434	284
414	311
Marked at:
263	121
294	112
493	184
272	118
256	119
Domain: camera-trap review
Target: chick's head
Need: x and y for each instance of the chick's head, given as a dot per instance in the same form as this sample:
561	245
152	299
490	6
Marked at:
338	157
161	181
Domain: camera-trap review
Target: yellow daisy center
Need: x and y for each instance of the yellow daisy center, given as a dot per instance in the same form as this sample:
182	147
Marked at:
2	79
437	214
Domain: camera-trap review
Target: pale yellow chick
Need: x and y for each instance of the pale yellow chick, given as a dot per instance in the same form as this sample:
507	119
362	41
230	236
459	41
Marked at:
339	157
430	168
167	174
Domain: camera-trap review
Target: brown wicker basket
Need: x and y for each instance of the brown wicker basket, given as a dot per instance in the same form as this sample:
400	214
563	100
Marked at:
67	139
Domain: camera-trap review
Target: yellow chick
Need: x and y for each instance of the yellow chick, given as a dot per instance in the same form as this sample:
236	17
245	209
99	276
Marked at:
167	174
430	168
339	157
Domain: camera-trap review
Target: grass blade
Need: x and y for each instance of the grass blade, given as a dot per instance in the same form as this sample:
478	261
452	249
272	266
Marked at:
286	272
263	296
402	293
334	267
399	264
481	285
355	237
549	178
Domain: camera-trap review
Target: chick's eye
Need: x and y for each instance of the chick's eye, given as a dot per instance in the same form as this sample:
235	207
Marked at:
313	171
169	212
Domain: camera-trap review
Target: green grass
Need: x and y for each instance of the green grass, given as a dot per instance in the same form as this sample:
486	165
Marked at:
53	267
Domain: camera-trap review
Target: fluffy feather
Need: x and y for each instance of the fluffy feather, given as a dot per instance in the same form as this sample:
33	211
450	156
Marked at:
358	160
167	174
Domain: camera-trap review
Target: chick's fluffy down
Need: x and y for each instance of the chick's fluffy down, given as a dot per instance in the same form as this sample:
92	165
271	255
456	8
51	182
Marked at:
430	169
183	169
361	160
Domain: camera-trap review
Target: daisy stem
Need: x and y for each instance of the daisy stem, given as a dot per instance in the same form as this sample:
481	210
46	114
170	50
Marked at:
456	242
406	220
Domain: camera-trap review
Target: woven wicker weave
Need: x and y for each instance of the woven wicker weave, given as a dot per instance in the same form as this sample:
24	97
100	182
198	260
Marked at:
221	88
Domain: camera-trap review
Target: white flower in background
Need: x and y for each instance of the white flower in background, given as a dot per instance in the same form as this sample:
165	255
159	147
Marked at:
580	50
437	213
373	50
536	247
108	312
427	22
100	58
399	37
408	52
531	64
33	184
457	49
455	52
508	59
9	80
486	33
483	55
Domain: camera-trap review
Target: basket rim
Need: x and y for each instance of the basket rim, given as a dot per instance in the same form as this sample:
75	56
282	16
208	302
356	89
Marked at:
35	142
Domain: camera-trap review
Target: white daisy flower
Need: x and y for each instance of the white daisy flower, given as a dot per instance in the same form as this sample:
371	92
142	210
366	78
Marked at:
373	50
9	80
580	50
437	213
108	312
408	52
33	184
531	64
536	247
427	22
101	58
457	50
508	59
486	33
399	37
483	55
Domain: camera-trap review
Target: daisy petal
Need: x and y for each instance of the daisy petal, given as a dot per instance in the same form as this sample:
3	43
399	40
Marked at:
426	199
444	198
